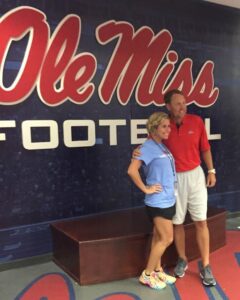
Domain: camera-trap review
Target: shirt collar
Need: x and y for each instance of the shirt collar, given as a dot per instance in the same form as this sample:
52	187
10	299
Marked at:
175	124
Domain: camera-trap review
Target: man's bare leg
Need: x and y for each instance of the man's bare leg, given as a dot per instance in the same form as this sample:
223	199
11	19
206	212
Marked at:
179	239
202	236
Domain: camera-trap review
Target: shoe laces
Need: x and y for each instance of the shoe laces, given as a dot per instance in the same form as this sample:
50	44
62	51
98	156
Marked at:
208	271
162	275
158	280
181	263
154	281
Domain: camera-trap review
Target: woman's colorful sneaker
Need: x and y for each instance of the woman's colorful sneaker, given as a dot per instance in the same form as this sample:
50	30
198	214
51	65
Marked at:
152	281
168	279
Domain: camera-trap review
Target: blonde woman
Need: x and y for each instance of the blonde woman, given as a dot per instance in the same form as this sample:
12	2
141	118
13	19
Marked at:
159	169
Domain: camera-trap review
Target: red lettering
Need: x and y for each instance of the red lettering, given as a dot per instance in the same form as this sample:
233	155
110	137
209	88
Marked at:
13	27
136	57
203	93
61	67
182	79
136	63
158	85
141	61
78	76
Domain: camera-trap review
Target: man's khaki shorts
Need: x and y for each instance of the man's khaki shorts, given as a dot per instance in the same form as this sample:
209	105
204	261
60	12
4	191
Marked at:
191	196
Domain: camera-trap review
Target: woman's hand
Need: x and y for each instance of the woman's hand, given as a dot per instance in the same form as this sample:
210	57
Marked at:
155	188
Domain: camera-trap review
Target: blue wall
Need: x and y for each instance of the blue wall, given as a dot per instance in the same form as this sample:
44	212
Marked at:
44	185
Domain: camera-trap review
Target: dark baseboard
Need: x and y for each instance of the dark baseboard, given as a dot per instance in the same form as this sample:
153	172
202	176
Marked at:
26	262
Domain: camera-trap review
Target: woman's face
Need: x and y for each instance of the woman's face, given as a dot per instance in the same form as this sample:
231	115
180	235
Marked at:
163	130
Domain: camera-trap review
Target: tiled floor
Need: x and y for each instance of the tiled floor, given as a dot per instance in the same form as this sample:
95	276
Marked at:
14	277
233	221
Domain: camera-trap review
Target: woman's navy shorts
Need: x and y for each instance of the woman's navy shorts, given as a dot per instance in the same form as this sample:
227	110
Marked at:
166	213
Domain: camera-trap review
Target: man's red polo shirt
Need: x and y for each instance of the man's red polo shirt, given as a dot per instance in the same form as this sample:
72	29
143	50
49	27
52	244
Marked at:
187	141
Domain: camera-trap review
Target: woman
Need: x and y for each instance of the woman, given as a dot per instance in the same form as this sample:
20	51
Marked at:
159	169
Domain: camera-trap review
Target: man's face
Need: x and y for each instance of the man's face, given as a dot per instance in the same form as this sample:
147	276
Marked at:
177	107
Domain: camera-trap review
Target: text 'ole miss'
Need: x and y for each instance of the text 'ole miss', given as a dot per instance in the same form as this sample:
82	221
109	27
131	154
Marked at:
141	61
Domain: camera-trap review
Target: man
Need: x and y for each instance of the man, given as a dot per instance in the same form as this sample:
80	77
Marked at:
188	143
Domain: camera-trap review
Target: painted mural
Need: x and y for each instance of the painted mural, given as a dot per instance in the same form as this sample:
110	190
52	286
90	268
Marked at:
78	80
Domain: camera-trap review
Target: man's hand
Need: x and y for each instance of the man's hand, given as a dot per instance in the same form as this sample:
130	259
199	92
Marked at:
136	152
211	180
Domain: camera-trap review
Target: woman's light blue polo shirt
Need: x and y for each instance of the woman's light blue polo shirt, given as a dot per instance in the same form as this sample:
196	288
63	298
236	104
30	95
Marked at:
159	167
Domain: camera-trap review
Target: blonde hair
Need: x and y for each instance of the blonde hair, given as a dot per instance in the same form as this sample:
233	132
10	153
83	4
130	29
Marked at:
154	121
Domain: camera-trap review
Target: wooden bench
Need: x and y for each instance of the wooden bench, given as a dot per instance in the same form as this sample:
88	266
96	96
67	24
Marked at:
115	245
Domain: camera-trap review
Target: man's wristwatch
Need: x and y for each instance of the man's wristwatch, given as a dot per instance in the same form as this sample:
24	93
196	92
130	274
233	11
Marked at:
213	171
